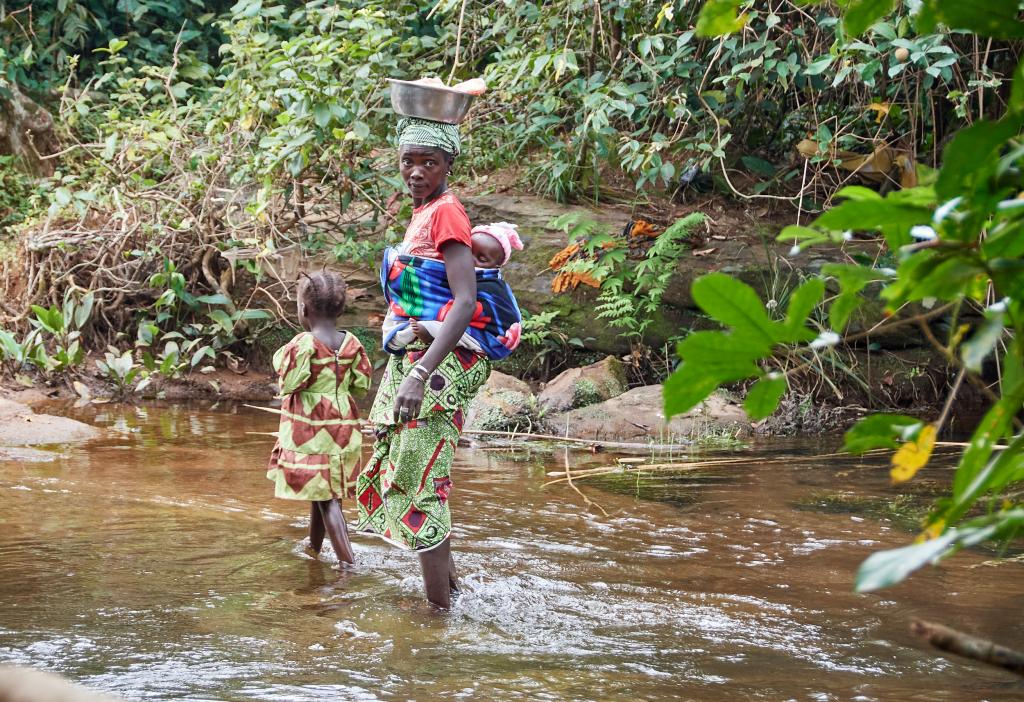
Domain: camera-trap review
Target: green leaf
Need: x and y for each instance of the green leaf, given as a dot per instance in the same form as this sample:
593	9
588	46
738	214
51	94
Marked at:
858	15
980	345
887	568
759	166
1016	103
989	18
202	353
948	280
852	279
873	214
255	314
361	129
842	307
992	428
216	299
322	115
1008	467
686	388
167	365
802	302
880	431
84	310
735	304
223	319
764	396
719	17
818	67
973	151
721	356
795	232
857	192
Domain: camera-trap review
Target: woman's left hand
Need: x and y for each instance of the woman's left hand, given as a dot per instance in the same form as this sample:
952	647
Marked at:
409	399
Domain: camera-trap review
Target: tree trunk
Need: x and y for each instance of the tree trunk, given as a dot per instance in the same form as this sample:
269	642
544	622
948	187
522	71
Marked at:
26	130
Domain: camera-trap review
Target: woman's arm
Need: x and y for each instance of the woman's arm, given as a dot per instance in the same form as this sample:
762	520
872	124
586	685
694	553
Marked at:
458	263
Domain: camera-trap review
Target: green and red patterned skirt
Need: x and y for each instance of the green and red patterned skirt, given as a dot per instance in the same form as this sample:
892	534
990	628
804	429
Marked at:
402	493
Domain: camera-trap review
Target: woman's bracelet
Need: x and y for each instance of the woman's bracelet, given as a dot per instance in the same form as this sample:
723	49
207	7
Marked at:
420	373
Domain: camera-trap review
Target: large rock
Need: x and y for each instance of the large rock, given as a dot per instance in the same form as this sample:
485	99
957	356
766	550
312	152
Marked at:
18	684
637	416
20	426
579	387
503	404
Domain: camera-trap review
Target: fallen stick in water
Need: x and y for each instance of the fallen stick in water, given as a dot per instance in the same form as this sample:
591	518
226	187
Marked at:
964	444
961	644
541	437
578	440
632	467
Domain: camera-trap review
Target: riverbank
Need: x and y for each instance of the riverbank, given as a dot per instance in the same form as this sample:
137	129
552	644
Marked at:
895	370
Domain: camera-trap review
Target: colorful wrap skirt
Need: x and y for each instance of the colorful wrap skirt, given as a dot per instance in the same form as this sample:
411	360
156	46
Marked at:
402	493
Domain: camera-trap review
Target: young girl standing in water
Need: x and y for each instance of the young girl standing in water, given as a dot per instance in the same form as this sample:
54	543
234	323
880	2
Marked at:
316	457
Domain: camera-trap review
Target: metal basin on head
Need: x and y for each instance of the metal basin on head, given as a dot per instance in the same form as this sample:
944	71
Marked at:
429	102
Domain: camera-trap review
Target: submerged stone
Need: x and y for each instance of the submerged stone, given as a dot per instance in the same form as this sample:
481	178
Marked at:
20	426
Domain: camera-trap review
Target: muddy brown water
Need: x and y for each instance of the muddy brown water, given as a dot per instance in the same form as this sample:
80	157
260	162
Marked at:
155	564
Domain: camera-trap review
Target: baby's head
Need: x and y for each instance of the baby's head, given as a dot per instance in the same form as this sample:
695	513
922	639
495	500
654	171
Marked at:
321	297
493	244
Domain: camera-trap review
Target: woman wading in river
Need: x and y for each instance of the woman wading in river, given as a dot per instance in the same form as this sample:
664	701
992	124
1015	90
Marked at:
402	494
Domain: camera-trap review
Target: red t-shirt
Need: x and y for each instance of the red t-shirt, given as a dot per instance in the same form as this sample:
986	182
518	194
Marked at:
440	220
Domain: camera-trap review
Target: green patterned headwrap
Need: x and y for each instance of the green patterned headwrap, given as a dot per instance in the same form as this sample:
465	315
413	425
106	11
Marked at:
413	131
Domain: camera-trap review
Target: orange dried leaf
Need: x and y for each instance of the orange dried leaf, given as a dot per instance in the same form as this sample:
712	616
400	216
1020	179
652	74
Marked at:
643	228
560	258
560	283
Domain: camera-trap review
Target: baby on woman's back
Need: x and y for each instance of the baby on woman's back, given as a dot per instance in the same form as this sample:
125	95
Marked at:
492	246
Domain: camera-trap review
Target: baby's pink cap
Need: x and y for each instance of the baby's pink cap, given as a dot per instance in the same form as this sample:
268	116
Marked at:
505	234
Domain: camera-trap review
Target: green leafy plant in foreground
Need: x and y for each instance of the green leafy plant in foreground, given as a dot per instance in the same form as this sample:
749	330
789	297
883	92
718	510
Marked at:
959	246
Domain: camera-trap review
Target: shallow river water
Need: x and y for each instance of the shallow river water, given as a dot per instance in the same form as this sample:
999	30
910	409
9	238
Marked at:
155	564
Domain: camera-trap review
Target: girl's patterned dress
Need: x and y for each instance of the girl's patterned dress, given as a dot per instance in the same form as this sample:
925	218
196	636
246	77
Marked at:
317	452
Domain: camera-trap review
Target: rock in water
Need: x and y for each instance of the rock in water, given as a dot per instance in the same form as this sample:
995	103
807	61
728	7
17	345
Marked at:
637	416
580	387
503	404
19	684
20	426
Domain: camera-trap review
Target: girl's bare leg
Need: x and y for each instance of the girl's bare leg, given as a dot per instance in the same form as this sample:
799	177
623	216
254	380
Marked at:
316	527
436	564
337	531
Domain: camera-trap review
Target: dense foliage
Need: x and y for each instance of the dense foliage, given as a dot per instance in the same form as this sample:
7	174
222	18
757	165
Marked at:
960	248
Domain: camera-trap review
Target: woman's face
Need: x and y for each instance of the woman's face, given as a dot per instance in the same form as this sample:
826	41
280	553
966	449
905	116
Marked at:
423	169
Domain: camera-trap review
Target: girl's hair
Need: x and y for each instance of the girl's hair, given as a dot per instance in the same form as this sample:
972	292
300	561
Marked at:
323	293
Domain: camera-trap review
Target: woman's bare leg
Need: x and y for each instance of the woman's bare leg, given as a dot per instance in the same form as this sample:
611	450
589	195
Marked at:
436	565
453	578
337	531
316	527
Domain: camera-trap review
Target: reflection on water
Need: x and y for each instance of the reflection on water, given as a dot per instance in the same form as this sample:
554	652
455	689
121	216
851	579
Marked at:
155	564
